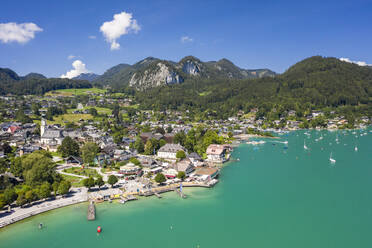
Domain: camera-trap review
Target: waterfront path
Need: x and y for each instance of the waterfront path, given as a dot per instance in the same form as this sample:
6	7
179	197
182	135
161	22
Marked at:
77	195
70	174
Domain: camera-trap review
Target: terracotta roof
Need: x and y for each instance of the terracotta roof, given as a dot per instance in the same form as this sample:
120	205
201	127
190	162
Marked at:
215	149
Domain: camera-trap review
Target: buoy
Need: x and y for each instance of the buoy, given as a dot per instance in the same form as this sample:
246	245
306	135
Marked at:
99	229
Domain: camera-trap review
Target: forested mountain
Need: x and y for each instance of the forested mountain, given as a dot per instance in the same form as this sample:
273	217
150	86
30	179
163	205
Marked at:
87	76
34	83
34	75
314	82
152	72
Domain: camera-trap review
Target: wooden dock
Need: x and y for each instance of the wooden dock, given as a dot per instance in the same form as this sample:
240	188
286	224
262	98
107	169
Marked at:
130	198
180	193
91	211
157	195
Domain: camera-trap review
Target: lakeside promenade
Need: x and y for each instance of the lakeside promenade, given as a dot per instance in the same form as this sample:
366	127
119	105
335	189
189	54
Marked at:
76	196
79	195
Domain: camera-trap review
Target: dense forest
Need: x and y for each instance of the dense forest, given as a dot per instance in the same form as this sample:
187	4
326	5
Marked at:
313	83
10	82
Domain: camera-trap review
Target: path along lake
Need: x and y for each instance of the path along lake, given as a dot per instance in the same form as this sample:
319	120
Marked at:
277	195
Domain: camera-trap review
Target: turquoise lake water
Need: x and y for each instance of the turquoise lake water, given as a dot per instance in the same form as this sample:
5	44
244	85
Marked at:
272	197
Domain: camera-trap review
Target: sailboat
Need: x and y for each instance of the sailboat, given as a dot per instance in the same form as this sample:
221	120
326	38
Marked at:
336	138
305	147
356	148
332	159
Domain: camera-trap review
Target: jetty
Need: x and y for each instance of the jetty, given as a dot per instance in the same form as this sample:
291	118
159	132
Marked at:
130	198
183	196
91	211
157	195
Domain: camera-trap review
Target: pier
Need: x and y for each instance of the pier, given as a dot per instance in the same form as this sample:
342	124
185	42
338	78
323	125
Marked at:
183	196
91	211
157	195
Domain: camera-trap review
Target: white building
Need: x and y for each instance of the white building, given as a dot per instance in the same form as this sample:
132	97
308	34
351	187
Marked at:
169	151
216	153
49	136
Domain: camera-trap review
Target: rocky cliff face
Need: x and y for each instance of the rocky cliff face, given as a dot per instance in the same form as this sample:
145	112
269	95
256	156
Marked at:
191	66
152	72
157	74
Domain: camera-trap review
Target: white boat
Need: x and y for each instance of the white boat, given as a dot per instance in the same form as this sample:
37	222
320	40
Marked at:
122	201
332	159
256	142
336	138
356	148
305	147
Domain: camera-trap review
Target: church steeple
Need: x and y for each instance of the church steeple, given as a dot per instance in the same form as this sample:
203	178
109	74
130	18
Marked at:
42	127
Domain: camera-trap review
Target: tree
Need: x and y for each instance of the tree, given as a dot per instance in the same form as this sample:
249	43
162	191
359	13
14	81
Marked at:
99	182
38	167
6	148
138	145
55	186
160	130
69	147
3	165
89	182
44	191
169	129
181	175
89	151
180	138
112	180
64	187
21	199
21	117
93	111
30	196
162	142
148	148
35	109
135	161
2	201
9	196
180	154
160	178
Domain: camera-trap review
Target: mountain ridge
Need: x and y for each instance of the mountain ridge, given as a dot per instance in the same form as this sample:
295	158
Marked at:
152	72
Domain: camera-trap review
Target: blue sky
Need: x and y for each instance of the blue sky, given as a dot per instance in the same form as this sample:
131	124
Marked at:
252	34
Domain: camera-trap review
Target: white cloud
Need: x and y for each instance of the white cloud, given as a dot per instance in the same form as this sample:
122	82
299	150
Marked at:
93	37
122	24
71	56
79	67
360	63
21	33
185	39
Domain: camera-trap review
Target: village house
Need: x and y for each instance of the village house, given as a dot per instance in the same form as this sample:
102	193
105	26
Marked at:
169	151
130	169
170	173
185	165
206	173
195	159
216	153
74	161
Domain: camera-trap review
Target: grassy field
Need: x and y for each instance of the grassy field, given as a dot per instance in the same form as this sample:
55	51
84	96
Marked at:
75	92
249	115
99	110
205	93
63	119
82	172
75	181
